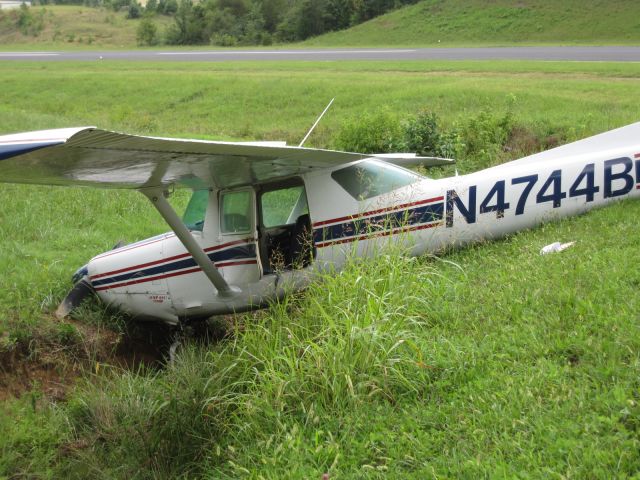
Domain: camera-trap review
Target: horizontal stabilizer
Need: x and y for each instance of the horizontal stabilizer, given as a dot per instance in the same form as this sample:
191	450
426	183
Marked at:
408	160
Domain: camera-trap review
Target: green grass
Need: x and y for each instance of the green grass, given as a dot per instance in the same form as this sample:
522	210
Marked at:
280	101
72	27
501	22
489	362
428	23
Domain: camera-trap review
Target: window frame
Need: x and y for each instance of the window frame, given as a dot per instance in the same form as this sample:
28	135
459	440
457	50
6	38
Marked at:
272	187
252	211
383	166
194	227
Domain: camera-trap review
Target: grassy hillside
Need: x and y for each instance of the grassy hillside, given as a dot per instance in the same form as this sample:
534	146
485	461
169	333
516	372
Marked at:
428	23
488	362
71	26
499	22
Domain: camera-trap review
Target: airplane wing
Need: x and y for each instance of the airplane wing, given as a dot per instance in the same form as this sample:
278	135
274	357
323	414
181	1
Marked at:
93	157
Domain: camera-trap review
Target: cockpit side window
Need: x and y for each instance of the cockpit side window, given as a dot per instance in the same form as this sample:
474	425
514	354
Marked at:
283	206
236	208
194	214
372	178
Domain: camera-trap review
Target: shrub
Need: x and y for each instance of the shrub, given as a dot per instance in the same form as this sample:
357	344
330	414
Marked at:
486	134
223	40
134	10
28	23
424	136
379	132
147	32
167	7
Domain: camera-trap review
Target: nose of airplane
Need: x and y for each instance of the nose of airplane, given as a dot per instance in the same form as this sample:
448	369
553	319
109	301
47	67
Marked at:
81	272
82	288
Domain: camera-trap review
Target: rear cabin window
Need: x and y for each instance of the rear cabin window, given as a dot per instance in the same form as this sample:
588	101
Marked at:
236	212
283	207
194	214
371	178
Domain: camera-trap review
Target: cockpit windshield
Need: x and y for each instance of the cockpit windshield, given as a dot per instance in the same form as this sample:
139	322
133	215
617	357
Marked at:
193	216
372	178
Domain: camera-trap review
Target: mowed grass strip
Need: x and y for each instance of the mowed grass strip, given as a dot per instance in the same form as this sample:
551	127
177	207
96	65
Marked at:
279	101
491	361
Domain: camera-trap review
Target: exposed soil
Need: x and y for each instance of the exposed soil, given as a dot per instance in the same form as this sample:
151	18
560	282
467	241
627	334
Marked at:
51	368
524	141
20	376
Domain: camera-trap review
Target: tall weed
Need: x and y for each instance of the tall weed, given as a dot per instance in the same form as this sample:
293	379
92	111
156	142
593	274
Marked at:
354	338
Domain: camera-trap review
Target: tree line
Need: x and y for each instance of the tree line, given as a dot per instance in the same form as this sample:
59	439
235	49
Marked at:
253	22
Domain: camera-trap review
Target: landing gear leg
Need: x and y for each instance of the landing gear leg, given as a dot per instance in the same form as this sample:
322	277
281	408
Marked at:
181	332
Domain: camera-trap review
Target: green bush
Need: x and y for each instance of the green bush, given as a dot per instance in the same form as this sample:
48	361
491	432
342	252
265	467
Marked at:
379	132
486	134
167	7
151	7
476	142
134	11
223	40
382	132
28	23
422	134
425	137
147	32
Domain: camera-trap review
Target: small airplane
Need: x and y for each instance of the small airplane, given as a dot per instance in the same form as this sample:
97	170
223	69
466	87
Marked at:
265	217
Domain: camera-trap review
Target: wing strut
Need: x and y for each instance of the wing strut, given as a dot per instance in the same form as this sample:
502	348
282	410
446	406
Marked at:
182	232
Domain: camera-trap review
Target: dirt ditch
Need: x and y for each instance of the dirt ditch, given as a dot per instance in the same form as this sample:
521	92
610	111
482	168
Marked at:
51	368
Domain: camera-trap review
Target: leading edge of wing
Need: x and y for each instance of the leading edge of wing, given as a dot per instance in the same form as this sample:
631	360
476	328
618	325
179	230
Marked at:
16	144
94	157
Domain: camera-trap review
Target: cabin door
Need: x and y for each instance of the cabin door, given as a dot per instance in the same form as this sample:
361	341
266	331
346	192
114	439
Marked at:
237	254
285	240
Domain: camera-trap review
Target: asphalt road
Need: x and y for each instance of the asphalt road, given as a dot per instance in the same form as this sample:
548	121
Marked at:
614	54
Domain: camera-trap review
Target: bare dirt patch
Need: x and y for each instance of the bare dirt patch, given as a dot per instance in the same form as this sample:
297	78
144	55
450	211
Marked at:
52	367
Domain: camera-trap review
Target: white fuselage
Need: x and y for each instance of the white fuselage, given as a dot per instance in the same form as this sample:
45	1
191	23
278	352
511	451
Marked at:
157	279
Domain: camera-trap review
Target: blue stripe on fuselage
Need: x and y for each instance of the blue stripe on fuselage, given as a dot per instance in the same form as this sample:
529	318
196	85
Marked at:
378	223
242	251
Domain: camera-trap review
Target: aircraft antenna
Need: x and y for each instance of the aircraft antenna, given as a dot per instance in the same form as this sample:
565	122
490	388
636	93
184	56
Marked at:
317	121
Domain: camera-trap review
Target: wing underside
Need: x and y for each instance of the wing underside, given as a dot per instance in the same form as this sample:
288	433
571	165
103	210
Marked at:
93	157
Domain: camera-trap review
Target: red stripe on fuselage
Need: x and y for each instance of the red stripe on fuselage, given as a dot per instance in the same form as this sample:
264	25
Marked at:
368	236
173	274
376	212
168	259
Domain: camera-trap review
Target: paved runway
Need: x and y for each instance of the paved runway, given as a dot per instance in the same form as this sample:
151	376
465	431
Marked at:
598	54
